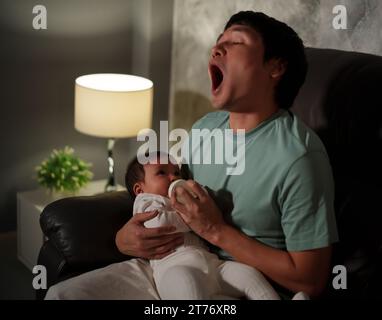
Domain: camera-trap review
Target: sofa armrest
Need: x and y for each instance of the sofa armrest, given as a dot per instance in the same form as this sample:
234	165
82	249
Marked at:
55	265
83	229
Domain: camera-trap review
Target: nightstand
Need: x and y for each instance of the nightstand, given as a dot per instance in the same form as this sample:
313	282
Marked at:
29	207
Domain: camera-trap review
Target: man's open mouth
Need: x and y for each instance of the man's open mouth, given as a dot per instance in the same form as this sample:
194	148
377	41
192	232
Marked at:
217	77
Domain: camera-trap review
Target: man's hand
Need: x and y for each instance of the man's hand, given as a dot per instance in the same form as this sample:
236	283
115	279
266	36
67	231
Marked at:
134	239
201	214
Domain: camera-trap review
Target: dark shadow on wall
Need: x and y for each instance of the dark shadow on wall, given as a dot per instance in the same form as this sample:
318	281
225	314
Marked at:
38	72
160	58
38	69
188	106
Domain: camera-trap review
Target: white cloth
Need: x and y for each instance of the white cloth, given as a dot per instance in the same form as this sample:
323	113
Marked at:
145	202
191	272
128	280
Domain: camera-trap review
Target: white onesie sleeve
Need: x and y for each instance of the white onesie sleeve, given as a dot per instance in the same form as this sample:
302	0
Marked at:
145	202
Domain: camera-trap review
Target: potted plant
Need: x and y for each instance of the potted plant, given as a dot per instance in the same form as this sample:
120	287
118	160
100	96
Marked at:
63	172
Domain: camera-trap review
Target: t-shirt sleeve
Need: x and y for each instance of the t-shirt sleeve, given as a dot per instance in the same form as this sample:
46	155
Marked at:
307	204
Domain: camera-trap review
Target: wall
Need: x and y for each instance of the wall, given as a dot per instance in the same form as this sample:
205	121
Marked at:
197	23
151	52
38	69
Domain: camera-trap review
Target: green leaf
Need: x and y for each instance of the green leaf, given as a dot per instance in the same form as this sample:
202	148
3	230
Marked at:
63	171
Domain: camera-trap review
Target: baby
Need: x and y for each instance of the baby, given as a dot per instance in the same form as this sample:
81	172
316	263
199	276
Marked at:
191	272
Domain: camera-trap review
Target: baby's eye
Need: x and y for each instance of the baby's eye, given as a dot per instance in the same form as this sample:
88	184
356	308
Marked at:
161	172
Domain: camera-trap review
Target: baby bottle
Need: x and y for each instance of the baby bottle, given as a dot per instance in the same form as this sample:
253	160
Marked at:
178	183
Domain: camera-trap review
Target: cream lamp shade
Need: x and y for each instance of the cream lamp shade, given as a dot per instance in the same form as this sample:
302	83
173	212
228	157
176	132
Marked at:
113	105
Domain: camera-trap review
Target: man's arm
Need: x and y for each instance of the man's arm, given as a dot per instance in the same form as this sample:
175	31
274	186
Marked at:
297	271
134	239
306	271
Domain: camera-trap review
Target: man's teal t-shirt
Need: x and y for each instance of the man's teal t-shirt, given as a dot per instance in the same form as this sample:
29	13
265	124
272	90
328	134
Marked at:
285	195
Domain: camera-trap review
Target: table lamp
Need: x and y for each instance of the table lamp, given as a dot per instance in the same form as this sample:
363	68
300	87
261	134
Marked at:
112	106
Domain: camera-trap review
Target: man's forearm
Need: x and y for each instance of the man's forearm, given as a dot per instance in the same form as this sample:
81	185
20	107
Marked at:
281	266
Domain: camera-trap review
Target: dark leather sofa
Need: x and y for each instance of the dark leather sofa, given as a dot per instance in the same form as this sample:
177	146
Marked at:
340	100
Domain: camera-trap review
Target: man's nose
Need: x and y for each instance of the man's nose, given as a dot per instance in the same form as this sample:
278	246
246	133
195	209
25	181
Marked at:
217	51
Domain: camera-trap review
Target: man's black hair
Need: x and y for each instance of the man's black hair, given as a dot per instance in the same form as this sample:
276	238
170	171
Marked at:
280	41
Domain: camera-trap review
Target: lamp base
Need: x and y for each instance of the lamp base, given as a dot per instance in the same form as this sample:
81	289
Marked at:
110	185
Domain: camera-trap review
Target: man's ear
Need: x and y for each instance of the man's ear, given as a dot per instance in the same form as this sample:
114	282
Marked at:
137	188
277	68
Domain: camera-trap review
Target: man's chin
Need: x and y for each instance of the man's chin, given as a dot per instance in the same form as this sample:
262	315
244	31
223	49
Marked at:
217	104
221	107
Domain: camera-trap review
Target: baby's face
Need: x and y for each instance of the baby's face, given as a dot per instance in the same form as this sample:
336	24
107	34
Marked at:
158	178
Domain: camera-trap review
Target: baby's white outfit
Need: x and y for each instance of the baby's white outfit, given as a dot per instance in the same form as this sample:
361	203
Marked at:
192	272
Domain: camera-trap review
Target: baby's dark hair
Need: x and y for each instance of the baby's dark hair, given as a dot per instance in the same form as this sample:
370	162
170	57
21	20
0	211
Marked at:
135	172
